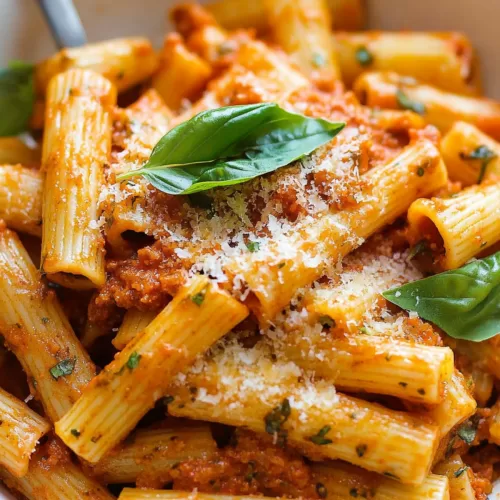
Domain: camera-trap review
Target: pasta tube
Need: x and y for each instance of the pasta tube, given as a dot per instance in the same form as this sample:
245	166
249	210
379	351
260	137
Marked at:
273	277
457	405
181	75
123	61
20	430
38	333
21	198
374	364
58	478
133	323
460	227
246	388
445	60
302	29
153	451
459	478
343	481
233	14
470	155
127	388
438	107
77	144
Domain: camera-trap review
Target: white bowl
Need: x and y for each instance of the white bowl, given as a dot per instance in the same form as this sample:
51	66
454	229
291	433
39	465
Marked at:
24	34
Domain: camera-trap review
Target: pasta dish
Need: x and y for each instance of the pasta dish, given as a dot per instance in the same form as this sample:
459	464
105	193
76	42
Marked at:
260	262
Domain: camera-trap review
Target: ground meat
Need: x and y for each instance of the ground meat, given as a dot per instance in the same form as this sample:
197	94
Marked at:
146	281
250	465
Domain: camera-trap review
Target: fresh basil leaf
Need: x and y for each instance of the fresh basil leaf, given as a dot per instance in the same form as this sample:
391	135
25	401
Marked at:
231	145
364	56
483	153
405	102
63	368
17	97
464	302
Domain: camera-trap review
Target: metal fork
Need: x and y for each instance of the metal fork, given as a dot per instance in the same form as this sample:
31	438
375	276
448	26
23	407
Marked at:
64	22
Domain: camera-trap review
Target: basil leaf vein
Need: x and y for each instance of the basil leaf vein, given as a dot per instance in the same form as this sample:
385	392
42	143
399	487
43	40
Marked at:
464	302
231	145
17	97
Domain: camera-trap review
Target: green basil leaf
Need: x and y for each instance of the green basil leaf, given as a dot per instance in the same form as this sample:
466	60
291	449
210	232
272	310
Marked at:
483	153
231	145
406	103
464	302
17	97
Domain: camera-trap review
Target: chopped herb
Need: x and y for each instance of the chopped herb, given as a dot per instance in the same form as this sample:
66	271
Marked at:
276	418
361	449
405	102
467	432
420	171
45	320
450	446
421	247
321	490
166	400
318	60
327	322
133	360
63	368
75	432
364	56
253	246
421	391
483	153
251	474
460	471
403	384
353	492
319	438
363	330
199	297
281	265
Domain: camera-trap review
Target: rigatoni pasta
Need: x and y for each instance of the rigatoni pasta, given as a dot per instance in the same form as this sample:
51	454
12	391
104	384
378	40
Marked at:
77	144
21	198
126	389
20	430
37	331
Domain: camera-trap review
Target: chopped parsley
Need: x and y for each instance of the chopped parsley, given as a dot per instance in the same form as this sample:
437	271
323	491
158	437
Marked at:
420	171
361	449
276	418
327	322
321	490
63	368
318	60
403	384
421	391
467	432
320	438
253	246
133	360
405	102
364	56
75	432
419	248
45	320
460	471
199	297
483	153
